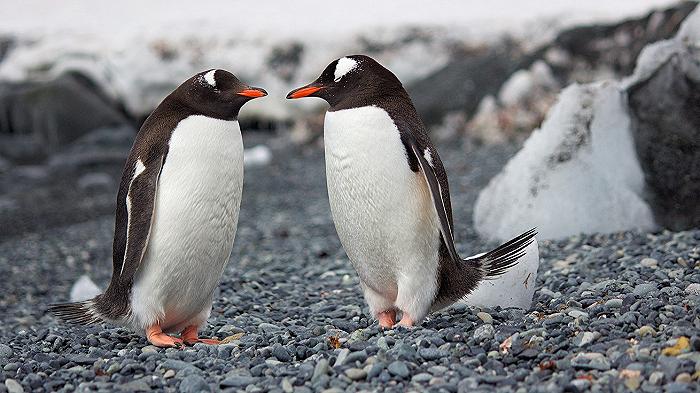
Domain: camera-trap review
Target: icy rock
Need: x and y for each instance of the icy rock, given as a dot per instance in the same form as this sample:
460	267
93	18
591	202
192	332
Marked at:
577	173
663	104
514	288
84	289
257	156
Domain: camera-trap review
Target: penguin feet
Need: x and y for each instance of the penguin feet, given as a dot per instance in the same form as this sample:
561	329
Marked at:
190	337
387	319
406	321
155	336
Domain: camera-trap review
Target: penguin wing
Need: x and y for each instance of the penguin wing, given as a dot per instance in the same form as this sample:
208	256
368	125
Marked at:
139	200
424	159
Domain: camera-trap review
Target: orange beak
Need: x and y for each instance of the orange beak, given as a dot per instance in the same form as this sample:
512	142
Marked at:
303	92
253	92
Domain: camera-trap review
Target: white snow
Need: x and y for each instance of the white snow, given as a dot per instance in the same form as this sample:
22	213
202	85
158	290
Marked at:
344	66
523	82
514	288
84	289
578	173
260	155
139	51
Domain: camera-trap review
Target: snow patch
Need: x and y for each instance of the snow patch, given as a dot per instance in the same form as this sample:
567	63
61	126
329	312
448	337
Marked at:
578	173
514	288
260	155
84	289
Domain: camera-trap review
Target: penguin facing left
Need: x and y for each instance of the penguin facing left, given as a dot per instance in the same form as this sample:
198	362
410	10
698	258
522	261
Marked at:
177	214
390	199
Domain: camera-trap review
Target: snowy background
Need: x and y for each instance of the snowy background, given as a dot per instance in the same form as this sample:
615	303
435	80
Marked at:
577	117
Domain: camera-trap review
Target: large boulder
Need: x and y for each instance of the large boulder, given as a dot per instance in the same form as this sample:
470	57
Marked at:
611	156
578	173
664	103
39	118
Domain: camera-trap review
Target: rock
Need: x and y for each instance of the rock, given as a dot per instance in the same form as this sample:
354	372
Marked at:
666	125
560	181
39	118
320	369
656	378
399	369
84	289
484	316
168	374
13	386
193	384
138	385
591	361
5	351
469	76
237	381
641	290
342	355
693	289
645	330
281	353
431	353
684	378
356	374
585	338
483	332
649	262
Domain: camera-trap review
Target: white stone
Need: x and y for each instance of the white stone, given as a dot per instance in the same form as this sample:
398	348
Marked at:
84	289
578	173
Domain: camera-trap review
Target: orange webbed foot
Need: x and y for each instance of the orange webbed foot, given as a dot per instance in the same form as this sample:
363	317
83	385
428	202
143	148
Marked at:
155	336
386	319
406	321
190	337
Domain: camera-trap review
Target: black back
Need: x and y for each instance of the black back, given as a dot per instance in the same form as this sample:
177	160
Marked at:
371	84
195	96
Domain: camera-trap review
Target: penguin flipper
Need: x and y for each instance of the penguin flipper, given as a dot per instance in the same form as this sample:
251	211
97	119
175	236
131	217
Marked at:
140	201
436	192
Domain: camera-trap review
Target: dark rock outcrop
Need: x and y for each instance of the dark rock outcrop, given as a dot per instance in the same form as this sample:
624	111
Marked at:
665	112
39	118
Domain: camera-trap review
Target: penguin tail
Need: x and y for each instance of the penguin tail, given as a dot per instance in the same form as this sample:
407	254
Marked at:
82	313
497	261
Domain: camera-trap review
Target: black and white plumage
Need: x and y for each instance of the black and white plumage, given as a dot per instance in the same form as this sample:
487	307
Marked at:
389	196
177	210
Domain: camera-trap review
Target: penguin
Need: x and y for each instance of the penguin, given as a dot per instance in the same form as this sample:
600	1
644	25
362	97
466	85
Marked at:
390	199
177	214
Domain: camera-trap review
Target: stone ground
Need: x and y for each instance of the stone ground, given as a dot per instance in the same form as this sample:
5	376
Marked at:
614	312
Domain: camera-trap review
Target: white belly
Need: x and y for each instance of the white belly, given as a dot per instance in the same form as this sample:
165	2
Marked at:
382	210
194	224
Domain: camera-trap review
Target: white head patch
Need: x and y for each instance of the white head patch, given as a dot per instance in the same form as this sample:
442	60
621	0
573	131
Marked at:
209	77
344	66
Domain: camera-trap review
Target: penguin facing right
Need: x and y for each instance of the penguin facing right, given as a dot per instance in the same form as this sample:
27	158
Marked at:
390	199
177	213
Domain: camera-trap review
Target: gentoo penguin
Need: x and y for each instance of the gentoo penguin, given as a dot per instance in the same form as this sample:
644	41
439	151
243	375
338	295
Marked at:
177	213
390	199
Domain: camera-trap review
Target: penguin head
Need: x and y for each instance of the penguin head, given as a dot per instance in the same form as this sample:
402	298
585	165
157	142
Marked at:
355	78
216	93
